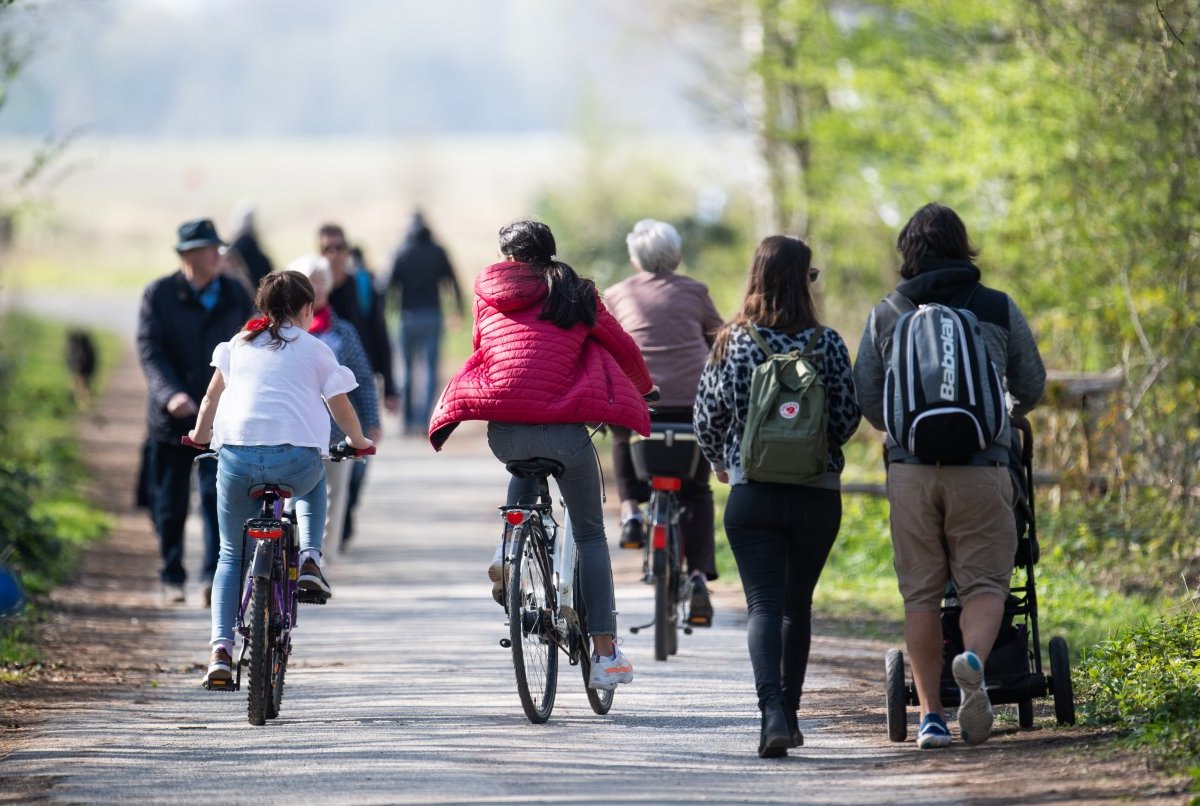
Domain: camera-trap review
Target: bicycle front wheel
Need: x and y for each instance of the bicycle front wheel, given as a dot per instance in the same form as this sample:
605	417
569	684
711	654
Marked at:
258	623
530	599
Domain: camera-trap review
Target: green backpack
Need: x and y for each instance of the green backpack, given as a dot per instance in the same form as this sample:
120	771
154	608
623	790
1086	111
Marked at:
785	438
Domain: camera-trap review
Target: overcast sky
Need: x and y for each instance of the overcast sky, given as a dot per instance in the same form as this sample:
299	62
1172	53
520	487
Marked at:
269	68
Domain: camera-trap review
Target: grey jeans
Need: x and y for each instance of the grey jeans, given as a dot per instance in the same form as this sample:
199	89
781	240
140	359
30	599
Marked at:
580	488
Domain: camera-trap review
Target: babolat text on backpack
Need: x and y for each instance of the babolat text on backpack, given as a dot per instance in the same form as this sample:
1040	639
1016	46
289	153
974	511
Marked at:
785	437
942	396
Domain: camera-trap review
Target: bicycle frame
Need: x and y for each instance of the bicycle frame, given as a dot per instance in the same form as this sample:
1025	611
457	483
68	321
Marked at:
275	559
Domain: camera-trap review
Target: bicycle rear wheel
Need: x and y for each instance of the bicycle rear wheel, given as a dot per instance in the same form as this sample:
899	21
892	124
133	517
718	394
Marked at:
601	700
535	652
665	606
258	622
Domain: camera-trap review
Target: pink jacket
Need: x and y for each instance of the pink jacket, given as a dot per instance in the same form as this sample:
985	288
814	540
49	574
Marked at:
527	370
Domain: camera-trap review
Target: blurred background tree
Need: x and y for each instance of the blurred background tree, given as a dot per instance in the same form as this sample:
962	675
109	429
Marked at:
1066	134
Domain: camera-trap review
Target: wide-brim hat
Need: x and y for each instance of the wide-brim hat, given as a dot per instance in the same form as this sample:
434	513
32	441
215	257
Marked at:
196	234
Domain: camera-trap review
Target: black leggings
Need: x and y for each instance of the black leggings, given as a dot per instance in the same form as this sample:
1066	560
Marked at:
781	535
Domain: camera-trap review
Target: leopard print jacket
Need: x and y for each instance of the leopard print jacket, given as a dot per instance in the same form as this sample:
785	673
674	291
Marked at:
724	396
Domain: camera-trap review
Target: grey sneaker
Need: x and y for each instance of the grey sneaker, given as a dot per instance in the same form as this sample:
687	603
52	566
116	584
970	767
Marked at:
975	710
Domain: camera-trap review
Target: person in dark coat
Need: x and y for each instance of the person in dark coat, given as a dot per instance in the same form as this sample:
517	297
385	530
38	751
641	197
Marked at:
245	253
421	273
183	317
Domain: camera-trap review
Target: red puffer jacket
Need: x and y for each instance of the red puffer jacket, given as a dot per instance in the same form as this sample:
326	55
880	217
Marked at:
527	370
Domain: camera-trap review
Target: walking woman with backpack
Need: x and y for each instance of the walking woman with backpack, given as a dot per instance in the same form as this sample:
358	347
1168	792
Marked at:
775	405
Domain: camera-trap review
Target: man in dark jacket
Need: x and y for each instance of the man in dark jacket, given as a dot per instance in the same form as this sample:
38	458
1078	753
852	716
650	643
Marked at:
421	273
951	520
183	317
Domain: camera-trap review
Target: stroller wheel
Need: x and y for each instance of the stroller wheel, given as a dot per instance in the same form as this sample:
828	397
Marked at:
1025	713
897	696
1060	681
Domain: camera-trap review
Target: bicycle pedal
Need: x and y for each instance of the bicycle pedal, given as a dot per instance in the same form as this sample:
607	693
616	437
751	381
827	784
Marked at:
312	597
219	685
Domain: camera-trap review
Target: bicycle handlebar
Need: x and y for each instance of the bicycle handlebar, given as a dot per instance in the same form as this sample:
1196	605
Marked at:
337	452
342	451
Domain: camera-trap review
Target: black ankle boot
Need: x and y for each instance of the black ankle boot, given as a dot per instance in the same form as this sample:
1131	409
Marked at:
793	724
775	738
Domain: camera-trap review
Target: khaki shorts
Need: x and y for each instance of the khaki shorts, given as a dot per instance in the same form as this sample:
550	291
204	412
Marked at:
951	522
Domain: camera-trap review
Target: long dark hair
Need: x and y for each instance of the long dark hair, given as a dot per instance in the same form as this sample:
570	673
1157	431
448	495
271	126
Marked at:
281	297
778	291
570	299
934	232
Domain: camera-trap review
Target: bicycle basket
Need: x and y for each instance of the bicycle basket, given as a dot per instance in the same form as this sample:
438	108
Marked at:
670	450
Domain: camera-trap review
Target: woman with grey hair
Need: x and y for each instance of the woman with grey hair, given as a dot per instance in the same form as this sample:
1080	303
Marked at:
341	337
673	321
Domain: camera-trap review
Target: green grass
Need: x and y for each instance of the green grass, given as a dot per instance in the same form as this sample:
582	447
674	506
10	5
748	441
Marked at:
45	516
1145	680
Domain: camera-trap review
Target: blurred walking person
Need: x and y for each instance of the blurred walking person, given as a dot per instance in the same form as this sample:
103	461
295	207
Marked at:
183	317
362	307
341	337
245	254
421	274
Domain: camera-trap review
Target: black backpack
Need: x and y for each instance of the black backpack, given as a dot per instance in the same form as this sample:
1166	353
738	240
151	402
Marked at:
943	399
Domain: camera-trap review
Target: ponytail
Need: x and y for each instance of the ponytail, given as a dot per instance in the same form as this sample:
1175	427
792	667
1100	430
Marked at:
280	299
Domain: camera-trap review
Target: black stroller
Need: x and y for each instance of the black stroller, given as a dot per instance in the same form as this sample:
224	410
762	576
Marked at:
1013	672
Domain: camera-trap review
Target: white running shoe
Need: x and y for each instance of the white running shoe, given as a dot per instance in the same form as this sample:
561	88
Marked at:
607	672
975	711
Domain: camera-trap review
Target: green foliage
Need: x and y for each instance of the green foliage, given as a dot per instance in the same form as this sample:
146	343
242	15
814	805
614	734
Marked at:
43	513
591	216
1147	681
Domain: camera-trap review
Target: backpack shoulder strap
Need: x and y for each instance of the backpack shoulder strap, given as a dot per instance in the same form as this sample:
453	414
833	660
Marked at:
752	329
810	349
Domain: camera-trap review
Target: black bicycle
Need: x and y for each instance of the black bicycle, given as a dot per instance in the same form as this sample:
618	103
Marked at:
540	579
270	593
665	458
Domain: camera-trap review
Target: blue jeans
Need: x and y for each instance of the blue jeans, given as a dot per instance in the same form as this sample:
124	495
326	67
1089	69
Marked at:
580	488
238	469
420	341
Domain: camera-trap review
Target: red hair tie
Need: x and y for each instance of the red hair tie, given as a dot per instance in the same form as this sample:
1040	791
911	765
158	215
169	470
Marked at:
257	325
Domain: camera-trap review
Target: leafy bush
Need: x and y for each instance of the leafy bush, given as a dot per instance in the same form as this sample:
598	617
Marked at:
44	515
1147	680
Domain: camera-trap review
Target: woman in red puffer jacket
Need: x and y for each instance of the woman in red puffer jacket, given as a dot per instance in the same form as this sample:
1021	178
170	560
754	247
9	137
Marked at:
549	358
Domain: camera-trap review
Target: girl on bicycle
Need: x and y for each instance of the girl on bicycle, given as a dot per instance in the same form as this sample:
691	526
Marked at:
548	358
781	534
275	380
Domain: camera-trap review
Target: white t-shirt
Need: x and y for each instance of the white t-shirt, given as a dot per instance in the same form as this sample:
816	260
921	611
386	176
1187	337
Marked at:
276	397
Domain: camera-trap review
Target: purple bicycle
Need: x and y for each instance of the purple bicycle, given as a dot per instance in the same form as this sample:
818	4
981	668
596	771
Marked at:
270	594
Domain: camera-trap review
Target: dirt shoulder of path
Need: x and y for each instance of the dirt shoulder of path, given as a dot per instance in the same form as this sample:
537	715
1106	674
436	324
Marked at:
102	630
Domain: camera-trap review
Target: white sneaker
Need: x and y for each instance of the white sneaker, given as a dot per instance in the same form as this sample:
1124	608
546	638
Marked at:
975	711
495	572
607	672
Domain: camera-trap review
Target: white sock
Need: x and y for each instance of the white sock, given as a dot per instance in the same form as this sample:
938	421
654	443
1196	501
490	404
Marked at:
226	645
311	554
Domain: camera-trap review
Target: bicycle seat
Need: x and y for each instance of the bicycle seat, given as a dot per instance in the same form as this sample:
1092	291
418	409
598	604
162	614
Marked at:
259	490
534	468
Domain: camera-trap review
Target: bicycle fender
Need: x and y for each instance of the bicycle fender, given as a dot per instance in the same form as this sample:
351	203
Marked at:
264	558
